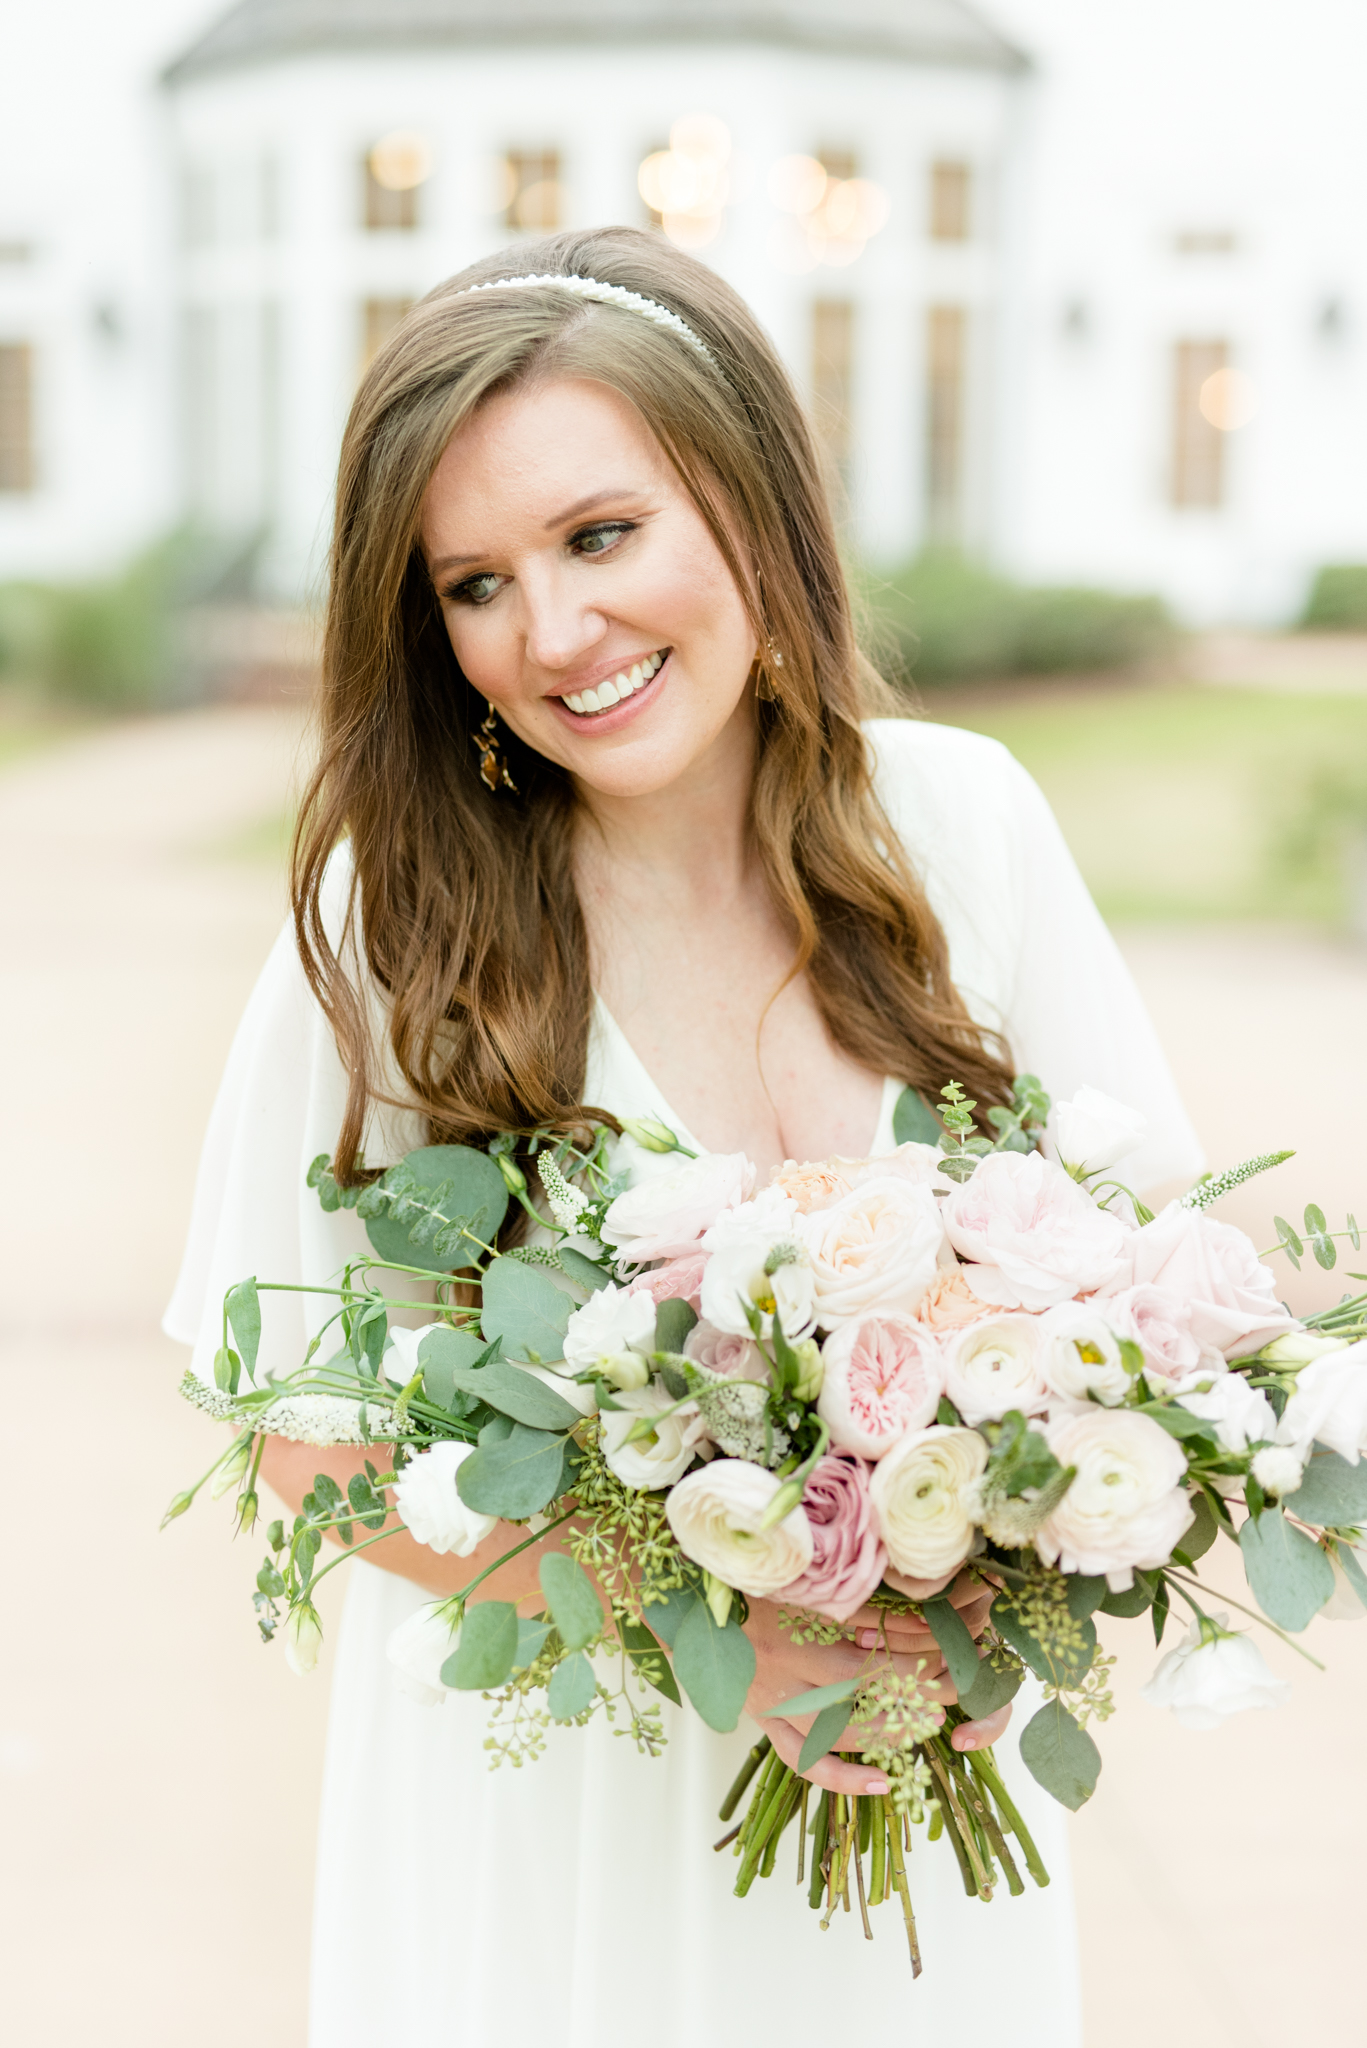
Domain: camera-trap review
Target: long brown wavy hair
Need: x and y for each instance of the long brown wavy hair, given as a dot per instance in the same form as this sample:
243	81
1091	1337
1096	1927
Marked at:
461	906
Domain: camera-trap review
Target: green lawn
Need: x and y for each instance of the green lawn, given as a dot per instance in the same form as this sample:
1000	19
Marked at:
1182	802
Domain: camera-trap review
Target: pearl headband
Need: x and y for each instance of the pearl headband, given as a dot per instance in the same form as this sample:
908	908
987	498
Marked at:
606	295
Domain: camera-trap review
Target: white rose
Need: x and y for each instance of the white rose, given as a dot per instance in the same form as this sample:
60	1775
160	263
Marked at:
1127	1505
1242	1414
922	1494
610	1336
1231	1296
1093	1131
666	1214
1080	1355
1329	1405
418	1648
1278	1470
1210	1676
715	1514
1032	1238
876	1249
434	1513
993	1366
666	1454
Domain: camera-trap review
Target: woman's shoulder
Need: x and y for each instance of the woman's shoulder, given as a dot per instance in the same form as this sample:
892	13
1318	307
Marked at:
913	755
955	798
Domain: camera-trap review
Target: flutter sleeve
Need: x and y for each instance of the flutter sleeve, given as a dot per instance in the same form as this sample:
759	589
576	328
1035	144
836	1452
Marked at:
1028	947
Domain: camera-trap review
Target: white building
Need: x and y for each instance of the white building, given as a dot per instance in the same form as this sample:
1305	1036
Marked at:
1067	310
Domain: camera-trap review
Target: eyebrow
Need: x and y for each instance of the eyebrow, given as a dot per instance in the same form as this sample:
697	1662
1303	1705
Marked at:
575	511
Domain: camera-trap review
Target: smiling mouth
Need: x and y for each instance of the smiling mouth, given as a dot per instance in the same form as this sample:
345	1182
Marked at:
612	690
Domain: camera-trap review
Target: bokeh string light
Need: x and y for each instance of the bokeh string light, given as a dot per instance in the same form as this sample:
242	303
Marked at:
687	186
826	219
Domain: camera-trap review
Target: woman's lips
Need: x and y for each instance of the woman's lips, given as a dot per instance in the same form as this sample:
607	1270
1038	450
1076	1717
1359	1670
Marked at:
617	715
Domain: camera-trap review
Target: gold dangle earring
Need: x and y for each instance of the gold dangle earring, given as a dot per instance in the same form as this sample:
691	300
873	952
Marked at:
766	689
492	766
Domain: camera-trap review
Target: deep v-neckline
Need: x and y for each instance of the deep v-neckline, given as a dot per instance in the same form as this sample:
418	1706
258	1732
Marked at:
624	1053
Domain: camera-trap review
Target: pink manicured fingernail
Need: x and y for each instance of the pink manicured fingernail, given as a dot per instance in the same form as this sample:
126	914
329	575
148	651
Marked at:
877	1786
868	1639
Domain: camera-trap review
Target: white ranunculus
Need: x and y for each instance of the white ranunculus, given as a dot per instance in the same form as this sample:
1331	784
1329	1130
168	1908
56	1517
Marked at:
665	1215
1278	1470
715	1514
434	1513
419	1647
1093	1131
995	1365
1242	1414
303	1641
1213	1674
1127	1505
923	1492
1080	1355
611	1335
876	1249
741	1245
666	1454
1031	1237
1329	1405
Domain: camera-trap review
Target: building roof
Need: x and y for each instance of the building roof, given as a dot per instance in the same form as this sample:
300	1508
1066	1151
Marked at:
912	31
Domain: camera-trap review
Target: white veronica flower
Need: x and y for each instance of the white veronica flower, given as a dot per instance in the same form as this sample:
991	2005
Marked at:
1212	1674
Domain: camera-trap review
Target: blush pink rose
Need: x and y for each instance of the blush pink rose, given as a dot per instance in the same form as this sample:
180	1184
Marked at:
949	1303
884	1375
1231	1295
679	1280
1030	1237
1159	1322
721	1351
665	1215
875	1249
847	1553
920	1165
815	1184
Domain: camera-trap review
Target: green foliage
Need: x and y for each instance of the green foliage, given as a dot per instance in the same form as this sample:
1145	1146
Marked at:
1290	1575
825	1731
244	1316
488	1643
438	1208
914	1122
1060	1755
443	1353
957	1646
572	1599
586	1272
571	1690
945	619
1131	1603
525	1310
673	1321
649	1659
516	1475
514	1393
999	1679
715	1666
1332	1494
1338	599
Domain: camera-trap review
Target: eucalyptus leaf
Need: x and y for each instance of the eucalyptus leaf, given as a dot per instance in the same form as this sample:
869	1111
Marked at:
668	1615
244	1316
488	1643
517	1393
1177	1421
531	1641
825	1731
476	1196
515	1476
715	1666
816	1701
1290	1575
992	1688
571	1688
1353	1572
957	1646
1196	1541
649	1659
1332	1493
1317	1231
673	1321
1085	1595
573	1601
525	1310
496	1430
441	1353
587	1272
1130	1603
914	1122
1060	1756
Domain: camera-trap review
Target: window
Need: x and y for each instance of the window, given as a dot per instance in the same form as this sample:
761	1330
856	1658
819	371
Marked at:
951	194
946	377
1198	445
833	376
16	416
392	176
532	183
379	318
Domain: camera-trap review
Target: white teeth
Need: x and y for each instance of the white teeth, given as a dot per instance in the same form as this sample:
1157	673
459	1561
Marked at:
607	696
575	704
590	701
622	685
625	684
637	678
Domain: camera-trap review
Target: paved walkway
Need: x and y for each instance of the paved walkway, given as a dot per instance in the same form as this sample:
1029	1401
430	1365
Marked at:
161	1769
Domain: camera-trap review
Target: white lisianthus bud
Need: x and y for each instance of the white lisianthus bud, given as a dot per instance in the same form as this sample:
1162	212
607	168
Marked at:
234	1465
1212	1674
811	1370
923	1493
656	1458
610	1336
1080	1355
426	1498
419	1647
1094	1131
1278	1470
303	1640
717	1513
1298	1348
649	1132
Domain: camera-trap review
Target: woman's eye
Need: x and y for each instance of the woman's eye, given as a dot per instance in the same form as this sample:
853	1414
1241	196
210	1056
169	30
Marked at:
596	540
475	590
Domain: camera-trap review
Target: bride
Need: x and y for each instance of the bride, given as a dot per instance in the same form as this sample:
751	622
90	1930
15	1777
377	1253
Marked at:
602	820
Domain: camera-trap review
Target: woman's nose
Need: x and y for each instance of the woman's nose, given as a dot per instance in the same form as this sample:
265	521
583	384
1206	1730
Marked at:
559	629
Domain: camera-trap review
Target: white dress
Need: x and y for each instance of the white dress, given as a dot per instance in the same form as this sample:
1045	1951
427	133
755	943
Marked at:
578	1900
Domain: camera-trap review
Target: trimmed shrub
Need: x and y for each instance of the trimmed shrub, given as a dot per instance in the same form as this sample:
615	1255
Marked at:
1338	599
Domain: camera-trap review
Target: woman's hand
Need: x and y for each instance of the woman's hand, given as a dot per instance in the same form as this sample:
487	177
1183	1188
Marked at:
784	1668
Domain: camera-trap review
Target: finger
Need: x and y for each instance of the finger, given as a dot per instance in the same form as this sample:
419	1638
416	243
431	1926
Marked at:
831	1773
981	1734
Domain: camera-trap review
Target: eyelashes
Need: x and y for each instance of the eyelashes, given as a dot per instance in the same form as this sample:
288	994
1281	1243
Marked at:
590	543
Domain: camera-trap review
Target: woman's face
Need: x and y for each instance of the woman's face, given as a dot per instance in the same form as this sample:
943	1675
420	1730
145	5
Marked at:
583	592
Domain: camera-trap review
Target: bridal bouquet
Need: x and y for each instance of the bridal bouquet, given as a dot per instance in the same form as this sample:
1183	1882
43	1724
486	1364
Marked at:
977	1364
